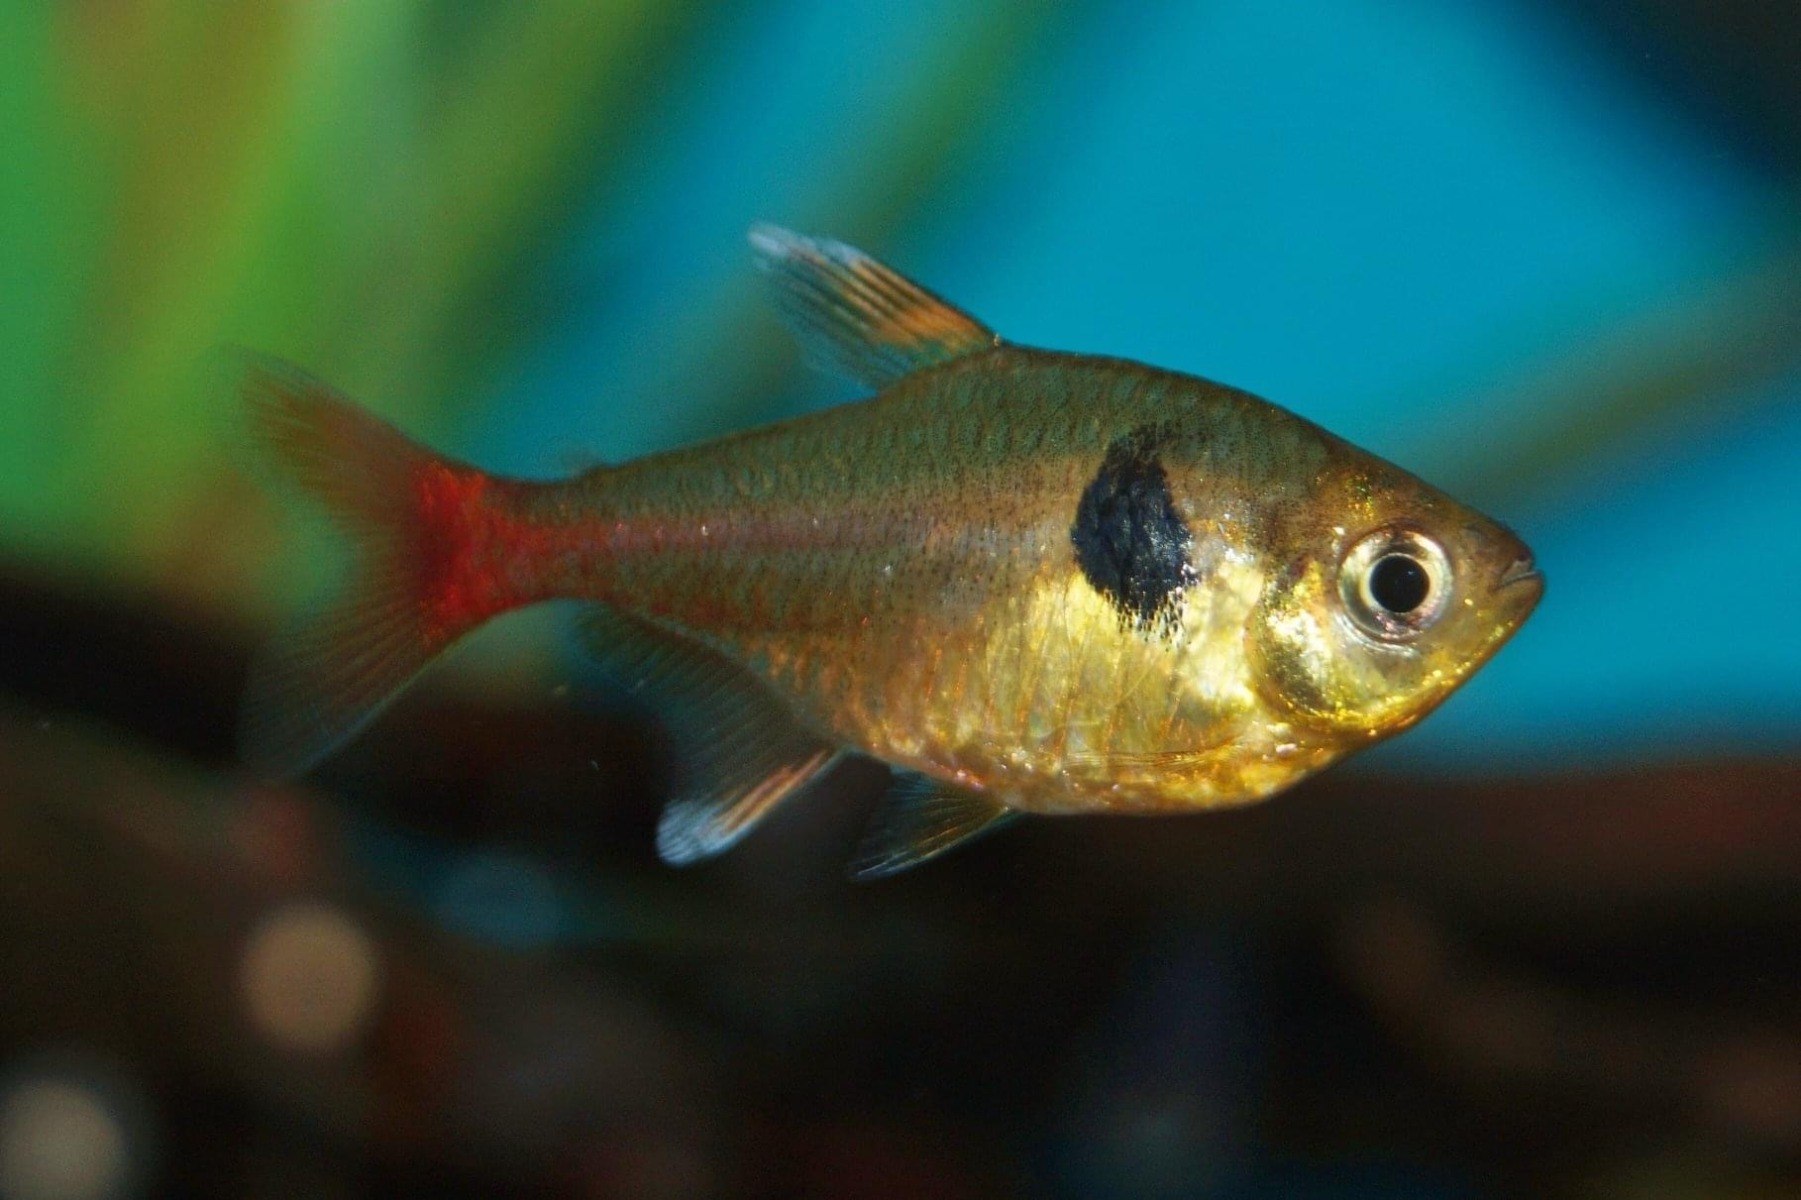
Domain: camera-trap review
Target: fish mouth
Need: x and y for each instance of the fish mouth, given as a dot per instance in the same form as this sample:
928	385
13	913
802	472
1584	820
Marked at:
1522	570
1517	592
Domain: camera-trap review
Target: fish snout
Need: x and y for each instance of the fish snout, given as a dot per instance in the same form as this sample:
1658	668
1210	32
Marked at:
1518	588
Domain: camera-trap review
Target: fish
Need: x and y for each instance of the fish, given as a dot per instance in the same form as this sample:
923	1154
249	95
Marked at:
1029	581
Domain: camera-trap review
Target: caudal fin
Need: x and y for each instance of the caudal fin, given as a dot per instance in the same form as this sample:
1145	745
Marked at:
410	518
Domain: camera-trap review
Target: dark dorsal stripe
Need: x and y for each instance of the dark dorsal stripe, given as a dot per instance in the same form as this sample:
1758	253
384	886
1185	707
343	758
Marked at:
1130	542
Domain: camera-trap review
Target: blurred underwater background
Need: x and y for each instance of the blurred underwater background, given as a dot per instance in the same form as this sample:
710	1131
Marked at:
1546	253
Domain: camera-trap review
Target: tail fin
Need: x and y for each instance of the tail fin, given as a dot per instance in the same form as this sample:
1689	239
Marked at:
410	518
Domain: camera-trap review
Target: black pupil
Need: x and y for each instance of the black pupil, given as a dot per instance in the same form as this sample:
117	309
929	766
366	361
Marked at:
1399	584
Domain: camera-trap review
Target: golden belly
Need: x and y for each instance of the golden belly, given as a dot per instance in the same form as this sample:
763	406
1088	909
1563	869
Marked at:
1046	699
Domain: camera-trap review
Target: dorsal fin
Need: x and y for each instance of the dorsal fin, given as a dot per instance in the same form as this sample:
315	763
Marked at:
740	754
920	819
857	317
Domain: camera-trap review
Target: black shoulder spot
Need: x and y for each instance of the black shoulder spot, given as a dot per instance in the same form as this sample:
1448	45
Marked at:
1129	540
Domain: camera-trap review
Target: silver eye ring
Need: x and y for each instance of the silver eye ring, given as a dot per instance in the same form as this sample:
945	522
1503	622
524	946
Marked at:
1395	583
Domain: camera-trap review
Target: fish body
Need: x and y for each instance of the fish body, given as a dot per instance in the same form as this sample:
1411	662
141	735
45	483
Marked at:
1035	581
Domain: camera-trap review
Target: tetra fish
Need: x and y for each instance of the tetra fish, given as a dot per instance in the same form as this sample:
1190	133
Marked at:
1031	582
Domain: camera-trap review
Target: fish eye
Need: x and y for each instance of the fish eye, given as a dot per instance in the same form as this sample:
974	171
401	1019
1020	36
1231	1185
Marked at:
1398	584
1394	583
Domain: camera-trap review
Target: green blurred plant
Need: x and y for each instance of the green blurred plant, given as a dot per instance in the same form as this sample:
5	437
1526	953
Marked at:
351	185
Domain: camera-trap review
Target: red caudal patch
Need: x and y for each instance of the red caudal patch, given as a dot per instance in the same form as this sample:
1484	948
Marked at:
456	565
475	552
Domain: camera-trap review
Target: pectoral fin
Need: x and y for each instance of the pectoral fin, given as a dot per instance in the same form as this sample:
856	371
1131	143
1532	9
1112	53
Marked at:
740	754
857	317
921	819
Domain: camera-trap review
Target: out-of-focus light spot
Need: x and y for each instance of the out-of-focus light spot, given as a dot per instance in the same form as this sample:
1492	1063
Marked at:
502	899
309	977
61	1139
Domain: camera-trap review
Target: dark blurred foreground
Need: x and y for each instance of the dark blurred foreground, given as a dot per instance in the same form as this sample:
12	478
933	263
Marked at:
453	967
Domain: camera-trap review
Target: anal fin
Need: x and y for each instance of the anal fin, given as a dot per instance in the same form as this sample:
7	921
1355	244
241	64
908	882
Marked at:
740	753
920	819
